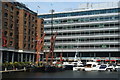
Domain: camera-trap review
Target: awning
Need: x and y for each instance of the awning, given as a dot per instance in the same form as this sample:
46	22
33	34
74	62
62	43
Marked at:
112	60
98	60
106	60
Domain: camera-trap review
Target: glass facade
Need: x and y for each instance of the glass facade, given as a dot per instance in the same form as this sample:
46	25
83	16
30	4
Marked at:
82	20
81	13
76	31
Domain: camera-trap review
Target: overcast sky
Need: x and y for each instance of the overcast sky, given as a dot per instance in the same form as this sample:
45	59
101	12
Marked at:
44	6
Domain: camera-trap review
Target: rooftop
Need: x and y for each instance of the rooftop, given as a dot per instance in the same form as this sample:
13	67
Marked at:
90	6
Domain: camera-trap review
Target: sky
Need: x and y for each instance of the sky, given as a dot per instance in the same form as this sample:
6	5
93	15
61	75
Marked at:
44	6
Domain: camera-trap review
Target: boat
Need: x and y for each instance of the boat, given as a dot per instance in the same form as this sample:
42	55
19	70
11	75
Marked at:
91	66
106	67
117	67
79	67
69	65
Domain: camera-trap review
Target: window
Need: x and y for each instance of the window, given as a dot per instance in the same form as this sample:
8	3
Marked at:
11	17
17	21
11	34
11	8
32	25
33	18
103	46
17	13
11	26
6	15
32	46
24	45
11	43
25	14
5	24
5	33
6	6
25	22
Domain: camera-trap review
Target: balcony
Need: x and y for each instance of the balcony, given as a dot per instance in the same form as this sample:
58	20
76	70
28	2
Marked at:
86	50
81	30
85	36
85	43
83	23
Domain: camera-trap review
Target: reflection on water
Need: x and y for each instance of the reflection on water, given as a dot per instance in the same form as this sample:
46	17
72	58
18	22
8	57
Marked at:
64	74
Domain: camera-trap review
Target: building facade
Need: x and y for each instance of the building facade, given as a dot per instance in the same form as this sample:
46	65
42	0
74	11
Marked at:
91	33
19	29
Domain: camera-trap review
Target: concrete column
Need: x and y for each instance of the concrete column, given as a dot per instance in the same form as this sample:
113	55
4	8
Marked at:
1	59
26	58
80	55
95	55
30	58
67	55
18	58
7	56
21	57
109	55
33	58
12	57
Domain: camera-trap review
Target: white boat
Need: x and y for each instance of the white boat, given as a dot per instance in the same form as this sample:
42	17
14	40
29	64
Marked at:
79	67
106	67
91	66
69	65
117	67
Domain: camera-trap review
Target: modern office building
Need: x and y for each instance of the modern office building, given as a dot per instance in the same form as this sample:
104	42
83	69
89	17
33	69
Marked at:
92	32
19	28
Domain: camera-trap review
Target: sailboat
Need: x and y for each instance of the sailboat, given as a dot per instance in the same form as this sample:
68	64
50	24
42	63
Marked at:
69	65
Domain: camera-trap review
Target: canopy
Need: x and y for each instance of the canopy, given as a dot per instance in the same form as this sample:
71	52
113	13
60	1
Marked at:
106	60
98	60
112	60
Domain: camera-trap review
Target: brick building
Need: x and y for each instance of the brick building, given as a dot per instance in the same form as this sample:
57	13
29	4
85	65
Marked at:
19	28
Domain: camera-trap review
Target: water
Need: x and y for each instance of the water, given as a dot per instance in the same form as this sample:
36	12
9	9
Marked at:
63	74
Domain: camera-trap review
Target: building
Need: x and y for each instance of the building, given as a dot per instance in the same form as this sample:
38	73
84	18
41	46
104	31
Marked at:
91	32
19	28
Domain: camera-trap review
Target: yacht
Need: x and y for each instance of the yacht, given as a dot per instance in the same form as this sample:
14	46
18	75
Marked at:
91	66
117	67
79	67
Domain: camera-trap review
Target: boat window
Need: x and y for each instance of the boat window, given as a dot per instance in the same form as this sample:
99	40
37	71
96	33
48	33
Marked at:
81	65
75	65
94	65
88	65
103	66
